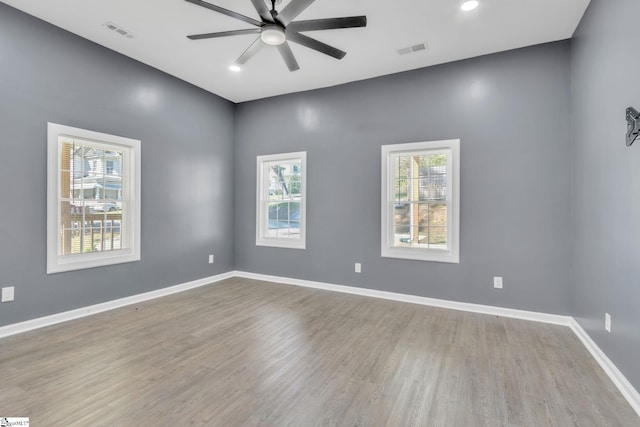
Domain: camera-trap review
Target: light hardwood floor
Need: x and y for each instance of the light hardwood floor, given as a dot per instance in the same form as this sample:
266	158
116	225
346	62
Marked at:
249	353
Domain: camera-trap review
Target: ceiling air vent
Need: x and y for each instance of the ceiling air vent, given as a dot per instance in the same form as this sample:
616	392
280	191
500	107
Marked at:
118	29
412	49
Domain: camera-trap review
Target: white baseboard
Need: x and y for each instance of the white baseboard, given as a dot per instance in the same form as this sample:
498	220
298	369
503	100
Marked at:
620	381
41	322
618	378
452	305
625	387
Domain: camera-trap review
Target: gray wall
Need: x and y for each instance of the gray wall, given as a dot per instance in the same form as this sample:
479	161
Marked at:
47	74
511	110
606	181
512	113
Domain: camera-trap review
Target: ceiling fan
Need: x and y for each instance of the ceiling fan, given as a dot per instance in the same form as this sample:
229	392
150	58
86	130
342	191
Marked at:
278	28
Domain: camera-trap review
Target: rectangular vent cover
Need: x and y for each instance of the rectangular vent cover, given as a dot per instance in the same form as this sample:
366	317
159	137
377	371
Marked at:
118	29
412	49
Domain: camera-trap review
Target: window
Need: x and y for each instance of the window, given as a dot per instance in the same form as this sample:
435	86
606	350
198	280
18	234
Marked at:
93	213
281	200
421	201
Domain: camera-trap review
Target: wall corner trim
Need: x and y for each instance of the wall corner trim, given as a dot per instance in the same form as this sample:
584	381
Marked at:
53	319
612	371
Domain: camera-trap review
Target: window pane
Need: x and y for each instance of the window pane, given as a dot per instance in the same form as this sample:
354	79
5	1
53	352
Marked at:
402	189
281	200
419	208
284	219
285	188
423	215
402	165
401	168
273	212
433	224
71	218
401	214
419	177
437	237
92	219
438	215
433	177
402	236
284	179
419	180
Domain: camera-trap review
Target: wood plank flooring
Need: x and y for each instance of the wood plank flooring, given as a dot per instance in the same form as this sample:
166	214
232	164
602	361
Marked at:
249	353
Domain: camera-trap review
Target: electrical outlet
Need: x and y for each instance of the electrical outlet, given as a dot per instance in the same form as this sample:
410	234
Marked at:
210	259
497	282
8	294
358	267
607	322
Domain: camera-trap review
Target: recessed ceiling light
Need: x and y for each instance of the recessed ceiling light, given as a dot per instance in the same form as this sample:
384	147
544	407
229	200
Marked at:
469	5
235	68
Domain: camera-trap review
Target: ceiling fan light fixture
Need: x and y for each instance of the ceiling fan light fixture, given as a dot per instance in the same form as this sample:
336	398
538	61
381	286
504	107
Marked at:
273	35
469	5
235	68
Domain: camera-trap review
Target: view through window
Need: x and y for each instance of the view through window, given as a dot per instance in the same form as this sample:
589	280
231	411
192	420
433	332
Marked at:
420	200
93	215
281	200
91	197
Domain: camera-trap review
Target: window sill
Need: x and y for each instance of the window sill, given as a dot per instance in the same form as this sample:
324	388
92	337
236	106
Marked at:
421	255
281	243
81	261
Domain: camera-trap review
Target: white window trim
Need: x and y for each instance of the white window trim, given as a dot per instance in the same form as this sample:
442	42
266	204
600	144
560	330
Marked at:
262	191
58	263
452	254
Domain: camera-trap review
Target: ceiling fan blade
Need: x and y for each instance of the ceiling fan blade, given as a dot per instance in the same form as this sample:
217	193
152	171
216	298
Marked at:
328	24
315	45
251	50
262	10
224	34
227	12
292	10
287	55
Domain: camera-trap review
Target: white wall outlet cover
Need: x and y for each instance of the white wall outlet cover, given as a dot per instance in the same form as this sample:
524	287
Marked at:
8	294
607	322
211	259
358	267
497	282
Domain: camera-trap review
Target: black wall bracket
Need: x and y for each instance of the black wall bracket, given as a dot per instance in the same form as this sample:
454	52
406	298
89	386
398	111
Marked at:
633	125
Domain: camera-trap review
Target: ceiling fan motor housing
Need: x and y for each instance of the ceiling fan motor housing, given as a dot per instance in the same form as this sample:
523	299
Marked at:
273	34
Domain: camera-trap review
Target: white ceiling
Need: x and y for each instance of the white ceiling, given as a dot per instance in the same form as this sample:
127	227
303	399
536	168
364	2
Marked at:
160	28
